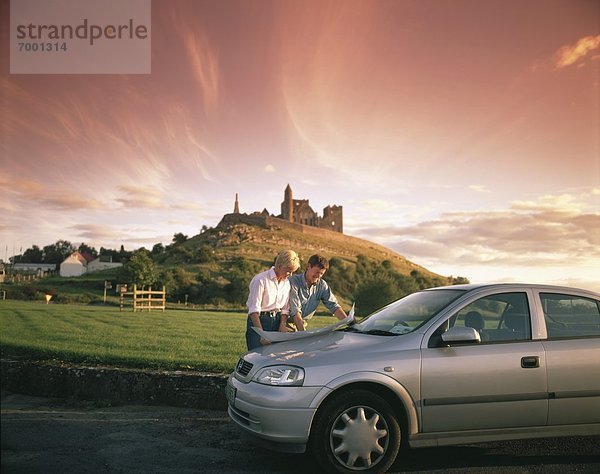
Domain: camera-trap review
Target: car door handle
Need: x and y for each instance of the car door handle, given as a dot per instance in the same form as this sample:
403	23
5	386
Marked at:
530	362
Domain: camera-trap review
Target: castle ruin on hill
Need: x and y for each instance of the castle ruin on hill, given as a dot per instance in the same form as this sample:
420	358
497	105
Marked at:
296	212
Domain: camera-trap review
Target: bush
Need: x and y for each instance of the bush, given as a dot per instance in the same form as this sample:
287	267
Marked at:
78	298
375	293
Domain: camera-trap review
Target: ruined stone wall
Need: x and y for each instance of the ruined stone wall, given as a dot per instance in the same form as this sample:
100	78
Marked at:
275	222
332	219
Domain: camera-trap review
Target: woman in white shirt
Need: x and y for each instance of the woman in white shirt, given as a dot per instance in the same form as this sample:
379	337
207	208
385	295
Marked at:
269	298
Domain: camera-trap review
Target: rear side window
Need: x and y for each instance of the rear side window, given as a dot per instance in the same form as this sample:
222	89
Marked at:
570	316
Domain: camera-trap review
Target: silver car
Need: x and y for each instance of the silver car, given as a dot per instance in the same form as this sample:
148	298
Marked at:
449	365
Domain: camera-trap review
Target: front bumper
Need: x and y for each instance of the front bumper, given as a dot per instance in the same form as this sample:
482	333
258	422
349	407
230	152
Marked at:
281	416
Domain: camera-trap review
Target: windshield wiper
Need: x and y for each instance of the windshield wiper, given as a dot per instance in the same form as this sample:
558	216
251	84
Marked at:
351	329
379	332
374	332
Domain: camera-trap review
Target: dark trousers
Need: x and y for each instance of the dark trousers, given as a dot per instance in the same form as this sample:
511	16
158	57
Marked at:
269	322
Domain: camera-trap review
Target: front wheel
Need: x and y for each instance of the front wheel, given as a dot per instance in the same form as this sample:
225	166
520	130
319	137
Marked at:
356	431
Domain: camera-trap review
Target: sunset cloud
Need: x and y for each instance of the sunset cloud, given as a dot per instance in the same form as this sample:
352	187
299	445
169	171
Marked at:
30	192
522	235
117	235
479	188
204	67
99	233
573	53
141	197
568	203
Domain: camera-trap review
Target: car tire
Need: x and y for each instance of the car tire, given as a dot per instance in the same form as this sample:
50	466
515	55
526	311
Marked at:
356	432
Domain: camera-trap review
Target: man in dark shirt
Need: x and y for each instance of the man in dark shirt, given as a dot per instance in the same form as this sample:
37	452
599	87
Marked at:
308	289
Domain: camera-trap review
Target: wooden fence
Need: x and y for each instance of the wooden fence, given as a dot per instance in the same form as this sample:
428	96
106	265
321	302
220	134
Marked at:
143	299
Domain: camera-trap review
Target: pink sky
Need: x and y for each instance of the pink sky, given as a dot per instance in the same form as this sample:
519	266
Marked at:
463	134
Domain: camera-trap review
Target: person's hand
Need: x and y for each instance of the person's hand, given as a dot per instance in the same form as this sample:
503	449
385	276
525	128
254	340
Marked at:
264	342
290	327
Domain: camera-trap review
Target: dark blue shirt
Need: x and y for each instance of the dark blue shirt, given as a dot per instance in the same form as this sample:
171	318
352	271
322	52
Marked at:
306	300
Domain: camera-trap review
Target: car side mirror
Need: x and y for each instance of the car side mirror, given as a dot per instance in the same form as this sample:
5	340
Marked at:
463	335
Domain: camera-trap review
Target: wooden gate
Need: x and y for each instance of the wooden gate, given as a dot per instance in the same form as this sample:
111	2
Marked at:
143	299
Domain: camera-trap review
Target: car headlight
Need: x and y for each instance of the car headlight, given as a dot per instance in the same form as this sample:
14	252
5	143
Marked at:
285	375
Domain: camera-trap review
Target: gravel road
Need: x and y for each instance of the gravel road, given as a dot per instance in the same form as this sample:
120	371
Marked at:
41	435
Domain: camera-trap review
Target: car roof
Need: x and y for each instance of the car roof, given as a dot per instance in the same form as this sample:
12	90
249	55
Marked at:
517	286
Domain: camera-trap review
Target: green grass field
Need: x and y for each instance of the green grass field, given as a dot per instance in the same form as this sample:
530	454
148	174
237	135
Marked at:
99	335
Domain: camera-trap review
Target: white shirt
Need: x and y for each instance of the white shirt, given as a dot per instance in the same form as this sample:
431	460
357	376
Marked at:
268	294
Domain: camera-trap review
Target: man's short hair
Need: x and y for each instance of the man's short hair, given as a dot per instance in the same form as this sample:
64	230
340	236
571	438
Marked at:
318	260
287	259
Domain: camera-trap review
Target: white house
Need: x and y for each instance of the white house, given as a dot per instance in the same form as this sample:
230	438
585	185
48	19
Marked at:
77	264
37	268
74	265
100	264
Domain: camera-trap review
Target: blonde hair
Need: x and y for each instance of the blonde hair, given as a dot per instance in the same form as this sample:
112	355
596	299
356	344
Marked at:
287	259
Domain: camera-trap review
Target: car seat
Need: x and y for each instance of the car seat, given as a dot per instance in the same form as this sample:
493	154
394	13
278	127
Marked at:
474	319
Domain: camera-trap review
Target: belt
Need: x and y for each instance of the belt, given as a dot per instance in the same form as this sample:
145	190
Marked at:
271	314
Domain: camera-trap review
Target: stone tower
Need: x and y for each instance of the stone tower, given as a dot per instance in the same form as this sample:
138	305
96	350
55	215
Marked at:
287	206
333	219
236	206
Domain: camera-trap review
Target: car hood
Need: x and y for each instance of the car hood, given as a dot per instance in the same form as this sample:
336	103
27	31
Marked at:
333	347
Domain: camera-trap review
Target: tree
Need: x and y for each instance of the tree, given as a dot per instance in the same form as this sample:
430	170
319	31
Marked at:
158	249
179	238
177	282
203	254
375	293
58	252
84	248
239	276
459	280
341	277
167	279
140	269
112	253
123	255
32	255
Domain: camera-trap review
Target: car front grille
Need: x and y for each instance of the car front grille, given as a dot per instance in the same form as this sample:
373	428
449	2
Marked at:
243	367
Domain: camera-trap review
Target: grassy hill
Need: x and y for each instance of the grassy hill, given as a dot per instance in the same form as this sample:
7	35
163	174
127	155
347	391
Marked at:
261	244
231	253
213	269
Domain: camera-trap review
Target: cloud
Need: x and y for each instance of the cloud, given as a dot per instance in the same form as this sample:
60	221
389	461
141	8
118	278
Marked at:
201	55
526	234
23	192
479	188
66	201
378	205
141	197
571	54
99	233
187	206
204	68
114	236
560	202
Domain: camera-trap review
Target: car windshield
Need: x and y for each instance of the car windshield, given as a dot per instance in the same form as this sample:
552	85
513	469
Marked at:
406	314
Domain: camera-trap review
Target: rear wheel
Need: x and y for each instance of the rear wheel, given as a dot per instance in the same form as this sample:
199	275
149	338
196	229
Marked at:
356	431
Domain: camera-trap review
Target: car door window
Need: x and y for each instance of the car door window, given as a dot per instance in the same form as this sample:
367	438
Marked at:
498	318
570	316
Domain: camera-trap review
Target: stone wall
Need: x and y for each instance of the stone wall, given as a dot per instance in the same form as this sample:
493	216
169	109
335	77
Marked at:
115	385
275	222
